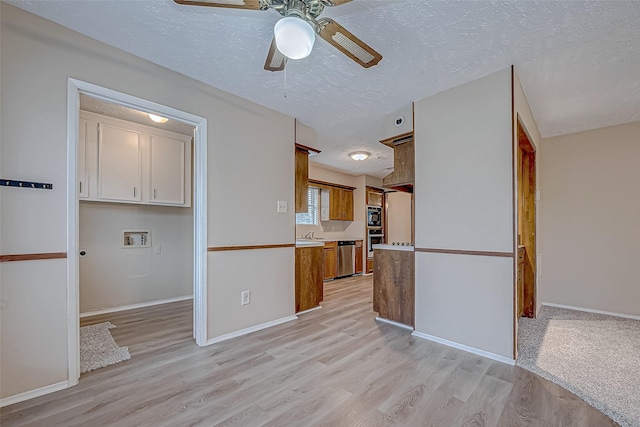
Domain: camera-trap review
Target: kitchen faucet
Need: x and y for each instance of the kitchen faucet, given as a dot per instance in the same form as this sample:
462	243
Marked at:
309	235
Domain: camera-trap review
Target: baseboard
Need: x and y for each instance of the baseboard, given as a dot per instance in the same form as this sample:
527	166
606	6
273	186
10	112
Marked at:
246	331
31	394
134	306
590	310
309	311
466	348
391	322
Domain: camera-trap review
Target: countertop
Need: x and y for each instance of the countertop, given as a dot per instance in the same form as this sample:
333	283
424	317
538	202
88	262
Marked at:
308	243
393	248
323	239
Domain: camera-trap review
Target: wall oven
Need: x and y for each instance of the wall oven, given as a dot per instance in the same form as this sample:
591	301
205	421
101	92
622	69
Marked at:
374	216
374	237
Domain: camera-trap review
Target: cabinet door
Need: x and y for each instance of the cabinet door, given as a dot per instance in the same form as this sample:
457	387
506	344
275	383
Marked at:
335	204
119	161
302	181
167	171
330	263
358	266
83	182
347	205
374	197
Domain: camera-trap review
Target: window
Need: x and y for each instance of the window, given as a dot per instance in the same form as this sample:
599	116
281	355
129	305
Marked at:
311	216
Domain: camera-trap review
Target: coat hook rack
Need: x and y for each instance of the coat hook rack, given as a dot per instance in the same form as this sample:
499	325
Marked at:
25	184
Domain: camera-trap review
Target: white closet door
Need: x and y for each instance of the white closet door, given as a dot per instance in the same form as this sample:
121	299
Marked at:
119	163
167	170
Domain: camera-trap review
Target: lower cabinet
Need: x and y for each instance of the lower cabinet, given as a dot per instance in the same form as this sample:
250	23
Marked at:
309	269
358	266
330	260
369	265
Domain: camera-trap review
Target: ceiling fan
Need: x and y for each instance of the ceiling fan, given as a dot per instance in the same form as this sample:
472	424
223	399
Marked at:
294	33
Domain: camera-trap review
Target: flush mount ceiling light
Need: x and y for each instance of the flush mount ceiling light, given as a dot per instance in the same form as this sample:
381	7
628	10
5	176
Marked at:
295	33
359	155
294	37
158	119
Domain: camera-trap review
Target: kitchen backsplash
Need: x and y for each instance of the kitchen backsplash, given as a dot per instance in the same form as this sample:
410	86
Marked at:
334	230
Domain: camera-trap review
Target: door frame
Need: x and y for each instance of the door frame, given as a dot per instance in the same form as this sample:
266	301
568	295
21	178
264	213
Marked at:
74	89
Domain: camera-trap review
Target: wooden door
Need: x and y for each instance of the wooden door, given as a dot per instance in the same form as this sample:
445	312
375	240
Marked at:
347	205
359	262
335	204
526	277
167	171
119	164
330	261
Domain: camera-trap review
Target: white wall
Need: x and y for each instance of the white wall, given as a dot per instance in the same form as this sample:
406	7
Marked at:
246	144
464	201
590	234
112	276
398	217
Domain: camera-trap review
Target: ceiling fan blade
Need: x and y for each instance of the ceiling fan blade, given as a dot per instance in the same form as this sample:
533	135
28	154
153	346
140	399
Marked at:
335	2
275	59
237	4
347	43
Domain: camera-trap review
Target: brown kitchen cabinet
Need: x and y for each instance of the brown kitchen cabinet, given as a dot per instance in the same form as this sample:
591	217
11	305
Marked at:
309	271
369	265
403	174
375	197
358	266
330	260
340	204
394	285
302	180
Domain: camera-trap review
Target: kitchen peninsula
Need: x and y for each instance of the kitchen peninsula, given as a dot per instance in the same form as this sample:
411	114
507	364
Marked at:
394	284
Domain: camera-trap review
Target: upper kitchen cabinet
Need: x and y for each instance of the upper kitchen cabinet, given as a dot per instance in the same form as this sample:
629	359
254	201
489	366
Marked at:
167	170
403	174
119	164
83	184
125	162
340	204
399	136
336	201
302	180
305	138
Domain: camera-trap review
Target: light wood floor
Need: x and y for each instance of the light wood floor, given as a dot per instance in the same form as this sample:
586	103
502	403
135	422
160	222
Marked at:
334	367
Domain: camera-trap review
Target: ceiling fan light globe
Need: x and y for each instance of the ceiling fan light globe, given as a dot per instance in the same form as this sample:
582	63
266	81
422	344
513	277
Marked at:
294	37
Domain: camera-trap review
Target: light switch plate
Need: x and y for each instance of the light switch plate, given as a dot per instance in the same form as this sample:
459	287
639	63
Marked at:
282	206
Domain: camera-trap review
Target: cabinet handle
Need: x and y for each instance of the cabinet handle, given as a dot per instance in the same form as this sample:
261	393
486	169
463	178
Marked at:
80	187
134	191
154	193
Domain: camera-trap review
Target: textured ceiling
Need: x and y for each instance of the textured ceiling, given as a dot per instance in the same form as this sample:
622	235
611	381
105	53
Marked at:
117	111
578	61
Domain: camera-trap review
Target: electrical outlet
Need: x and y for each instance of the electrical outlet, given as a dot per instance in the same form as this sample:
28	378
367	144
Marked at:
245	298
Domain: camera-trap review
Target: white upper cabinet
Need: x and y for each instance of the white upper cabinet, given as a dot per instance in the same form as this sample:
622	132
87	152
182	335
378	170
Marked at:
125	162
119	164
167	170
83	184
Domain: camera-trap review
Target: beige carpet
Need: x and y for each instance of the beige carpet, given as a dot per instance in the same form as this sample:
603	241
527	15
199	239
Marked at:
98	348
594	356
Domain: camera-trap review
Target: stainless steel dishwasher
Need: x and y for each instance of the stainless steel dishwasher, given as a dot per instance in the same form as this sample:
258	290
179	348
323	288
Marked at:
346	257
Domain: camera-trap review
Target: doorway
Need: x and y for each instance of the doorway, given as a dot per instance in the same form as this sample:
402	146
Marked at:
74	90
526	270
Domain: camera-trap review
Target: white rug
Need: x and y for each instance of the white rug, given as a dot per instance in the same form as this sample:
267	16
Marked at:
594	356
98	348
